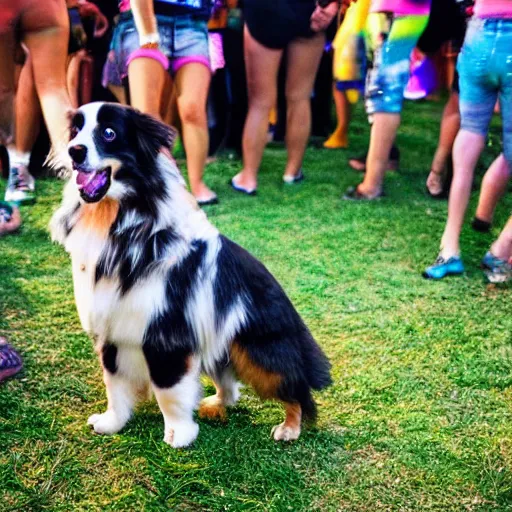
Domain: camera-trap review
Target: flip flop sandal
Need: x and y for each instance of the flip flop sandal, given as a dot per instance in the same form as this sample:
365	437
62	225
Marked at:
352	194
10	361
208	202
291	180
238	188
10	219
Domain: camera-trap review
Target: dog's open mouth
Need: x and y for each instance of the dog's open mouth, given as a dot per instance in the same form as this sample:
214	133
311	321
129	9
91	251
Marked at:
93	185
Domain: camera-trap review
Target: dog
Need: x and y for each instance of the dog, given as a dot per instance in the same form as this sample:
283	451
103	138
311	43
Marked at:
164	295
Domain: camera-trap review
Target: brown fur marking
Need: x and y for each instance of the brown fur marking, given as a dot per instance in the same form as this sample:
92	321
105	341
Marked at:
212	411
293	415
100	216
264	382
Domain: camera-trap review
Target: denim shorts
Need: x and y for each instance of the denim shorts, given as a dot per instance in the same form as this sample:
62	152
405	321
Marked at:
183	39
485	69
387	80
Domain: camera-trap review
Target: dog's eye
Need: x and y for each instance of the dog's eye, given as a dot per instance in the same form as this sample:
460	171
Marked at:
109	135
73	132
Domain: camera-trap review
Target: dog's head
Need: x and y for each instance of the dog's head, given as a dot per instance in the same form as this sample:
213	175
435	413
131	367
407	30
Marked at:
114	150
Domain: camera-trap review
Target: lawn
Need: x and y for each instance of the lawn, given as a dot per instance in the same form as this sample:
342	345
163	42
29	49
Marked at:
419	417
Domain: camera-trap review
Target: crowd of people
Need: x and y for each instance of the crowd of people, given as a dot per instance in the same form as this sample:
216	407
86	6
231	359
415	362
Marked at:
177	59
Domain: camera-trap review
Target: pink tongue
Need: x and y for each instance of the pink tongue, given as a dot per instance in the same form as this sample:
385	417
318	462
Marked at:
91	182
82	178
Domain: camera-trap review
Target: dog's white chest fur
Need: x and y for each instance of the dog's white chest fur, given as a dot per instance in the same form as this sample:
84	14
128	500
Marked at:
103	311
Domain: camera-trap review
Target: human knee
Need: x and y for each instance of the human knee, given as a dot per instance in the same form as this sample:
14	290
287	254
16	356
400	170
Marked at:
192	112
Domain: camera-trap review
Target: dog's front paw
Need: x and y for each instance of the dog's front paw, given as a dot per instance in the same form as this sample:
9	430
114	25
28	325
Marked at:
284	432
180	435
106	423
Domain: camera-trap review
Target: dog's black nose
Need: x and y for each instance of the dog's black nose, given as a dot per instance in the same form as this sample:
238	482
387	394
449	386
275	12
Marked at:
78	153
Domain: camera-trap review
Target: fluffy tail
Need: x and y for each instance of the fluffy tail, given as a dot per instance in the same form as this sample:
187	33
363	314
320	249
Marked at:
316	365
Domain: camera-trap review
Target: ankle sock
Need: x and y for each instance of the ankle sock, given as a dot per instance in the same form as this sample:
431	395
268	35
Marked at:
17	158
481	225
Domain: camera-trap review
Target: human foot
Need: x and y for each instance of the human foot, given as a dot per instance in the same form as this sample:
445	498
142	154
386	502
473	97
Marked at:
20	186
241	183
338	140
358	194
204	196
496	270
10	219
444	266
297	177
435	184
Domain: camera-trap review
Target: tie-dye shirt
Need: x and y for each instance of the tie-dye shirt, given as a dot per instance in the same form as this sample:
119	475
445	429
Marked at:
402	7
493	8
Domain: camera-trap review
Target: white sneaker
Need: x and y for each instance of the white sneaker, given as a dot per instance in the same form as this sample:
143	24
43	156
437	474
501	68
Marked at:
21	186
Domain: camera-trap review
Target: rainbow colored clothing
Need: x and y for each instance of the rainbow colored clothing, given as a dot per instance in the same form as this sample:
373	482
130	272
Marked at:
493	9
402	7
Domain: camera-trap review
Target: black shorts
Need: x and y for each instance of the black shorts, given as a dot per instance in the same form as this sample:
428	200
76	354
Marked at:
275	23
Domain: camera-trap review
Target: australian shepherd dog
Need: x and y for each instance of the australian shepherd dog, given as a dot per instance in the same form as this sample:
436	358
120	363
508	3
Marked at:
164	295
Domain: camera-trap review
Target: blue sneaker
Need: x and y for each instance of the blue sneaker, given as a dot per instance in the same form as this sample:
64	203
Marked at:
442	268
496	270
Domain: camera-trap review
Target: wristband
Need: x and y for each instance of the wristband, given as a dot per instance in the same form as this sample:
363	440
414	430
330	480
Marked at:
152	38
149	53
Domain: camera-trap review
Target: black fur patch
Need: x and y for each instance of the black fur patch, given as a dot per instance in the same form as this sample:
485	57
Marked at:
68	220
137	143
274	335
134	252
109	356
169	335
77	121
167	367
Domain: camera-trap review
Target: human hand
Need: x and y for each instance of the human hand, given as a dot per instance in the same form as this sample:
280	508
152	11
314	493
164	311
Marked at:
90	10
322	16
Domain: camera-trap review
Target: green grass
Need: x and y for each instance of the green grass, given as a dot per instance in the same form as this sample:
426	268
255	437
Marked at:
420	414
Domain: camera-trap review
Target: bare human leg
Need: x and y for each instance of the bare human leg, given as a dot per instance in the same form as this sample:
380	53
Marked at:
466	151
502	247
146	78
192	83
494	185
28	110
383	135
339	138
262	66
46	33
303	60
450	125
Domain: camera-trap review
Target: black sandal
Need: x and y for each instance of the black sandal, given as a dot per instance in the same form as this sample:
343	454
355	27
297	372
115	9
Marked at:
353	194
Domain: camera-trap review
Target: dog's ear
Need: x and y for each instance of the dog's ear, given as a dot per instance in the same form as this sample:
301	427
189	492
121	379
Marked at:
151	134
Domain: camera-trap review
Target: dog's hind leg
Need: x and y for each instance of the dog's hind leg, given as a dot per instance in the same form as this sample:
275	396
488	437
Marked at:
227	393
126	377
289	430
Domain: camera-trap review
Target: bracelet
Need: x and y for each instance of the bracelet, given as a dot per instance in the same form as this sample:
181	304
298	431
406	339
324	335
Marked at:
153	38
149	53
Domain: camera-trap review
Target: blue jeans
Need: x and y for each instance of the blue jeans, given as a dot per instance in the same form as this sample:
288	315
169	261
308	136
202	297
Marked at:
485	69
183	39
387	80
